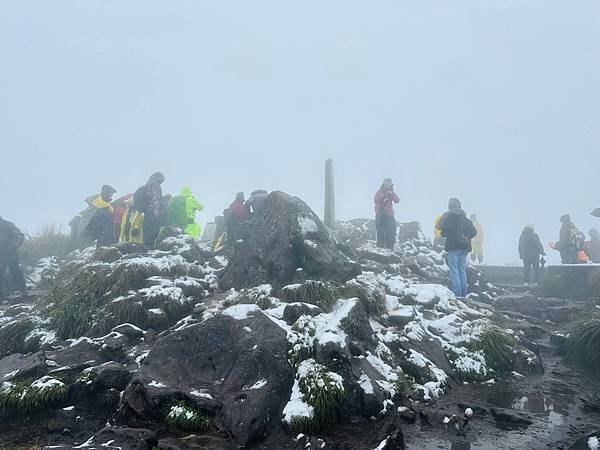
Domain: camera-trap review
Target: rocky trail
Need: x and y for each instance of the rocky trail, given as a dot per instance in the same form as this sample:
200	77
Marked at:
297	338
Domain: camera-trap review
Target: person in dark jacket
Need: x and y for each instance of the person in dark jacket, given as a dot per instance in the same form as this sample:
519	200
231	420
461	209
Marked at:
11	239
256	200
592	247
148	199
99	227
385	221
530	252
570	241
458	231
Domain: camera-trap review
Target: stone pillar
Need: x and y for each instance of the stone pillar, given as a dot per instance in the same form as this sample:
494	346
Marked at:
329	195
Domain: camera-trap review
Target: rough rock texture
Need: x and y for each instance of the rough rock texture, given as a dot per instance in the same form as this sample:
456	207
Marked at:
284	237
237	370
118	438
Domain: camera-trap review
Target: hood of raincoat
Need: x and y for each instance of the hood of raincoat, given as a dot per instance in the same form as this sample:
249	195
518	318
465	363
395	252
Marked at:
156	178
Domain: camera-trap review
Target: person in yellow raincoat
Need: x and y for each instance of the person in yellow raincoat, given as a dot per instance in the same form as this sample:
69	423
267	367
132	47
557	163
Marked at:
182	212
477	242
438	239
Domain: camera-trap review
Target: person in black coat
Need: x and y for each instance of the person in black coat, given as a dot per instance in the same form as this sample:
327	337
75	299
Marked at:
11	238
530	251
592	247
458	231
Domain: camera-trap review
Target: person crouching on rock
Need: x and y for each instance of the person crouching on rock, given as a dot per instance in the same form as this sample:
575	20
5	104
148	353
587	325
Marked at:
237	213
530	252
458	231
385	222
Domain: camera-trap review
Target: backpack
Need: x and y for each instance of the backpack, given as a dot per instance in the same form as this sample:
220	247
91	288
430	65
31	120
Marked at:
463	233
140	199
577	239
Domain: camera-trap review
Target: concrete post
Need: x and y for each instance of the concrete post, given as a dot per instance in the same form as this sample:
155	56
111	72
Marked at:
329	195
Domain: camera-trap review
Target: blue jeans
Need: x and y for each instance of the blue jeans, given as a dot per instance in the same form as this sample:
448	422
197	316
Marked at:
457	264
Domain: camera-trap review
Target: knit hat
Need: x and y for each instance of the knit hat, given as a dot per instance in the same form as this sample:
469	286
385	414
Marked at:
107	190
454	203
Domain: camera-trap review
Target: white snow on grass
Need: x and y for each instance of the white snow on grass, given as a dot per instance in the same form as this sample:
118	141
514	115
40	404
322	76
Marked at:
242	311
156	384
328	327
46	383
296	407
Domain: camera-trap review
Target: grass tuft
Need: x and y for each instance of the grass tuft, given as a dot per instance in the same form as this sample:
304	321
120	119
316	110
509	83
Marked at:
584	341
498	348
323	294
187	418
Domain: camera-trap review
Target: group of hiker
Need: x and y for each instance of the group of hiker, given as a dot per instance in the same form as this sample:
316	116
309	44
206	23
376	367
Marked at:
135	217
460	236
140	216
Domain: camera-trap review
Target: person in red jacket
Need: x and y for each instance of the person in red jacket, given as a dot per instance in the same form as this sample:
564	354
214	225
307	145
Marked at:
237	213
239	209
385	221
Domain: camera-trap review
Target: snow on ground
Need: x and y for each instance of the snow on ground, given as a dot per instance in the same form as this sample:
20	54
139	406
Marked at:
296	408
242	311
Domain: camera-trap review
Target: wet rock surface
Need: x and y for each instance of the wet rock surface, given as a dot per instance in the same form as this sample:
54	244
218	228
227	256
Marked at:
285	236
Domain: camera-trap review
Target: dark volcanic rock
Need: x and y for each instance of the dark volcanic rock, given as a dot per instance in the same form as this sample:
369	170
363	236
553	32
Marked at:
132	332
112	375
118	438
18	365
286	235
293	311
507	418
80	356
234	368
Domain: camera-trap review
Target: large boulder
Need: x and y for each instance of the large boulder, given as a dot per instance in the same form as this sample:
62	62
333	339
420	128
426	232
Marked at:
233	366
286	237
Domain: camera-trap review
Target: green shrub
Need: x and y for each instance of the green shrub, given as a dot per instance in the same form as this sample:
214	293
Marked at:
26	396
584	341
369	292
322	390
323	294
498	347
184	417
13	334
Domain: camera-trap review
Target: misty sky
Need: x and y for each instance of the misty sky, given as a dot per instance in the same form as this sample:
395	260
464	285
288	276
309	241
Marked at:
495	102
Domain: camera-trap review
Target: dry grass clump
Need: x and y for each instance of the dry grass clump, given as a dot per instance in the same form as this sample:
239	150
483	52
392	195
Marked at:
49	240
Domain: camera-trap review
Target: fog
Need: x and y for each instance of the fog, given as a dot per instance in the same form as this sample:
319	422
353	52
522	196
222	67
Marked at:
493	102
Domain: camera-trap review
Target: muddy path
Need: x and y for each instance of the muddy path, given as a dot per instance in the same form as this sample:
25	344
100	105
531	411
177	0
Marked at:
548	411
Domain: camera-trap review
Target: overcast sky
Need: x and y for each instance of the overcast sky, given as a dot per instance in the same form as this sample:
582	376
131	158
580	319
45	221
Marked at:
495	102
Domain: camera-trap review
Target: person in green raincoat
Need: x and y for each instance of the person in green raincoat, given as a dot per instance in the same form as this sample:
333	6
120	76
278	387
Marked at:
182	212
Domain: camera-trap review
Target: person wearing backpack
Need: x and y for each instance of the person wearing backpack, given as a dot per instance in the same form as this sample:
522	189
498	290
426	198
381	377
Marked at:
571	241
530	252
459	232
148	199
